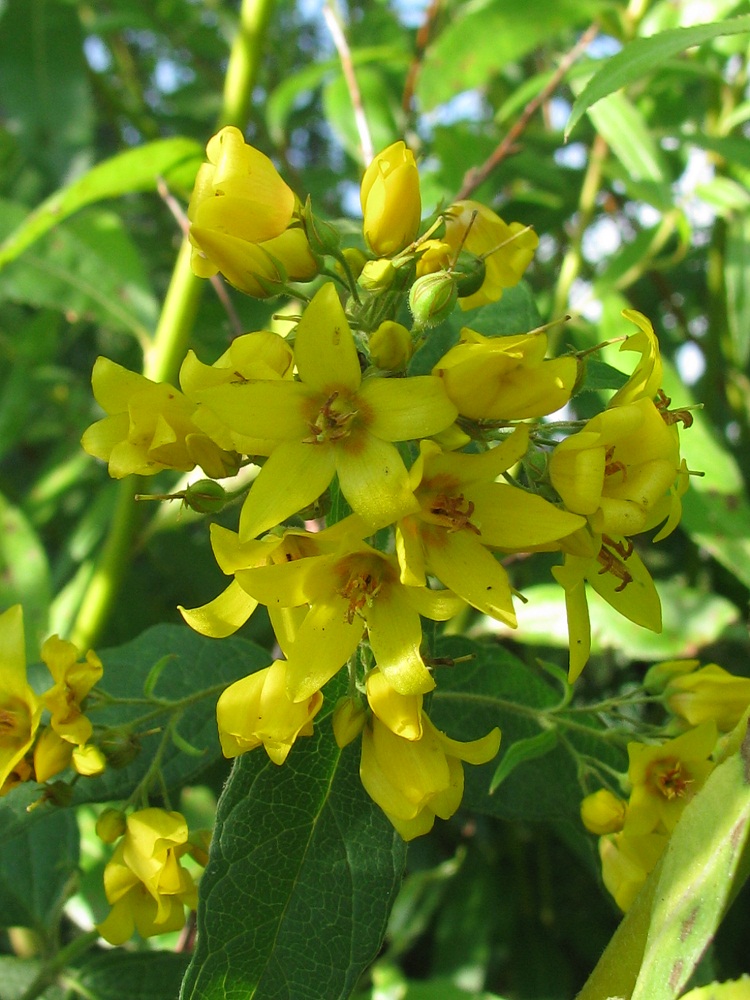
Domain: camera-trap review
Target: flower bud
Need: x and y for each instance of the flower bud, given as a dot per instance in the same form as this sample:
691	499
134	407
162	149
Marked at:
602	812
205	496
111	825
60	793
356	261
391	202
390	346
120	748
377	275
88	760
432	298
349	719
322	236
470	272
661	674
710	693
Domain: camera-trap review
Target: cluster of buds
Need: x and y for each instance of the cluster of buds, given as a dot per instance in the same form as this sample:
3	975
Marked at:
663	777
30	749
438	472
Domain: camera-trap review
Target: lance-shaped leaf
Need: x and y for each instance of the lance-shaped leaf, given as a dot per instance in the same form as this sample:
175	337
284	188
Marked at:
300	881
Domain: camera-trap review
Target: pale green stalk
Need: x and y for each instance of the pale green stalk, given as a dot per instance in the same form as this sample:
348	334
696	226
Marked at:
171	338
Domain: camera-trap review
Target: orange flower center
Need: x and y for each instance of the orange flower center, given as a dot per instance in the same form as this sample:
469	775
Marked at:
612	556
668	778
361	577
334	419
15	723
452	512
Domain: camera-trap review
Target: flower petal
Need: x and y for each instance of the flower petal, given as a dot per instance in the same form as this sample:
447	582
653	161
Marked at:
293	477
324	643
324	348
395	634
222	616
274	409
511	518
403	409
464	565
374	480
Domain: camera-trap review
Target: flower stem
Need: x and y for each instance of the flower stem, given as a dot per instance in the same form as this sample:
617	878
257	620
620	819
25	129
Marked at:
171	339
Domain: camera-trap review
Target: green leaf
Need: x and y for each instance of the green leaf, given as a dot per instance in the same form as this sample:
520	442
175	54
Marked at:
379	103
626	131
299	884
150	975
24	574
37	867
737	281
17	975
676	914
598	375
483	37
736	989
642	56
134	170
519	752
44	84
197	663
88	267
494	688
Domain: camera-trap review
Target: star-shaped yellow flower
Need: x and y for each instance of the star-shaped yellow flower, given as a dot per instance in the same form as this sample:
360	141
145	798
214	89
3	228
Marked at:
331	422
463	511
350	591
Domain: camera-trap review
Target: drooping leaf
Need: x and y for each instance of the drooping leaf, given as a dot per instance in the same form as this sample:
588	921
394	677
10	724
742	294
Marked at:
134	170
296	894
643	55
521	751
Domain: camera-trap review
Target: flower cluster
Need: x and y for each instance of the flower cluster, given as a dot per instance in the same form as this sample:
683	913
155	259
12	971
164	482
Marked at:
427	475
145	883
29	749
663	777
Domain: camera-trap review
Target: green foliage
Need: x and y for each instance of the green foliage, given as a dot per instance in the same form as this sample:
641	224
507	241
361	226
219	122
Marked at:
308	891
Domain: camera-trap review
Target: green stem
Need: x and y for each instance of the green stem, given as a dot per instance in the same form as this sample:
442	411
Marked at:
65	956
172	337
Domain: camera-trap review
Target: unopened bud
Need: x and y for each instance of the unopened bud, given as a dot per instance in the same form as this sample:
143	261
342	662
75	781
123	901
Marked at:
377	275
88	760
110	825
355	260
205	496
119	748
470	272
59	793
602	812
322	236
432	298
349	718
390	346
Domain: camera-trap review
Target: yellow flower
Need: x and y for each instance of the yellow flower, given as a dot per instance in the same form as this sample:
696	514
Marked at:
148	427
602	812
390	346
664	778
507	249
353	589
231	609
258	355
144	881
73	681
20	709
415	780
462	511
257	711
616	572
331	422
244	221
391	202
710	693
505	378
645	381
619	468
626	863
